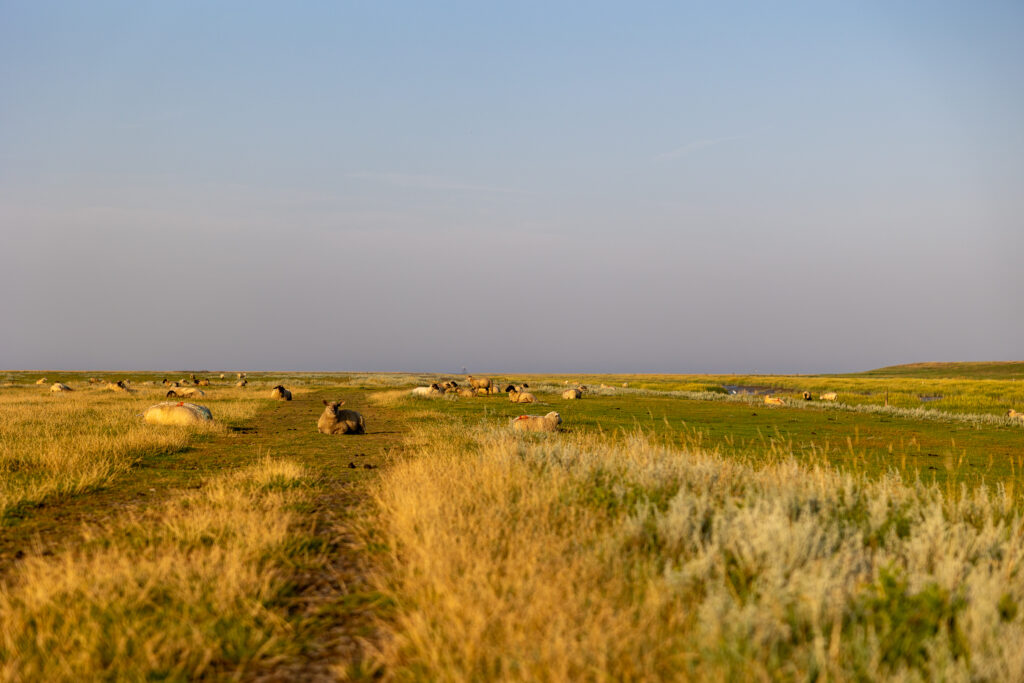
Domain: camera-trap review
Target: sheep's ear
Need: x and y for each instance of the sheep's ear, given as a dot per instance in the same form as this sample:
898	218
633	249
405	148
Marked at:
326	402
341	403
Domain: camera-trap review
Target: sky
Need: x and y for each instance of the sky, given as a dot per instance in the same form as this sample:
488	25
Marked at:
512	187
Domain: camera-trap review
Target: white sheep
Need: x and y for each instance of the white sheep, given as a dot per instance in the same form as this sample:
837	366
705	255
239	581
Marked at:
772	401
1014	415
521	397
179	414
478	382
57	387
537	423
572	394
829	396
431	391
41	380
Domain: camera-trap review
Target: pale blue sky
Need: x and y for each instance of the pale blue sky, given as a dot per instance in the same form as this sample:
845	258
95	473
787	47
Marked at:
531	187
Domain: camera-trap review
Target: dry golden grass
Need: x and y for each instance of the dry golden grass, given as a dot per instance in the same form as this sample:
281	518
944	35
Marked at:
65	444
558	557
184	591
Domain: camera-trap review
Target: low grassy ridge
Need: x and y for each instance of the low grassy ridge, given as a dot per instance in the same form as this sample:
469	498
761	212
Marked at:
671	530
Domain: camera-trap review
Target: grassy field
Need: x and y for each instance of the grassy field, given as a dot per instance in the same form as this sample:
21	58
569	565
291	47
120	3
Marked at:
671	530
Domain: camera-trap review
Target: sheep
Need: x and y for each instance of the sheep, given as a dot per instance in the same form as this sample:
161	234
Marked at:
521	397
179	414
241	383
1014	415
480	391
466	392
625	385
222	375
493	389
281	393
119	385
94	380
451	384
537	423
807	396
772	401
571	394
432	390
334	420
186	392
829	396
57	387
241	375
478	382
203	382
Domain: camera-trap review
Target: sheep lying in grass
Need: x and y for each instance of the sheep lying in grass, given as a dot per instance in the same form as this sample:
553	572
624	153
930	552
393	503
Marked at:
479	382
180	414
95	380
241	375
829	396
807	396
537	423
431	391
1015	415
521	397
119	385
334	420
57	387
241	383
186	392
222	375
466	392
41	380
772	401
202	382
281	393
572	394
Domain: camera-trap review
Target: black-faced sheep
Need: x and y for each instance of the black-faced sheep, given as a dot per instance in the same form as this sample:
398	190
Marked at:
431	391
241	383
119	385
180	414
334	420
807	396
281	393
537	423
57	387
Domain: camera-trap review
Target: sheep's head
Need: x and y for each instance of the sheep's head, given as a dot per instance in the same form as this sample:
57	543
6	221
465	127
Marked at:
510	388
553	417
333	406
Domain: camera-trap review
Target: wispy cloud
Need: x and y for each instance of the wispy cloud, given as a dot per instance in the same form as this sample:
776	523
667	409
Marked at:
691	147
428	182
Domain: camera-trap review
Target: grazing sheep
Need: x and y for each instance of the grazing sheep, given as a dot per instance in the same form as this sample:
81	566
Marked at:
41	380
772	401
281	393
57	387
179	414
334	420
1013	414
241	383
478	382
537	423
830	396
432	390
807	396
571	394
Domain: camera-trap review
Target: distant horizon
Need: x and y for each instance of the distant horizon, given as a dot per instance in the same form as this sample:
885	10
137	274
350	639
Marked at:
510	372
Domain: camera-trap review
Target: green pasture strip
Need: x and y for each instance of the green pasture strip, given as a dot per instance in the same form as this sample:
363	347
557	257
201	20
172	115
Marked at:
877	443
965	370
